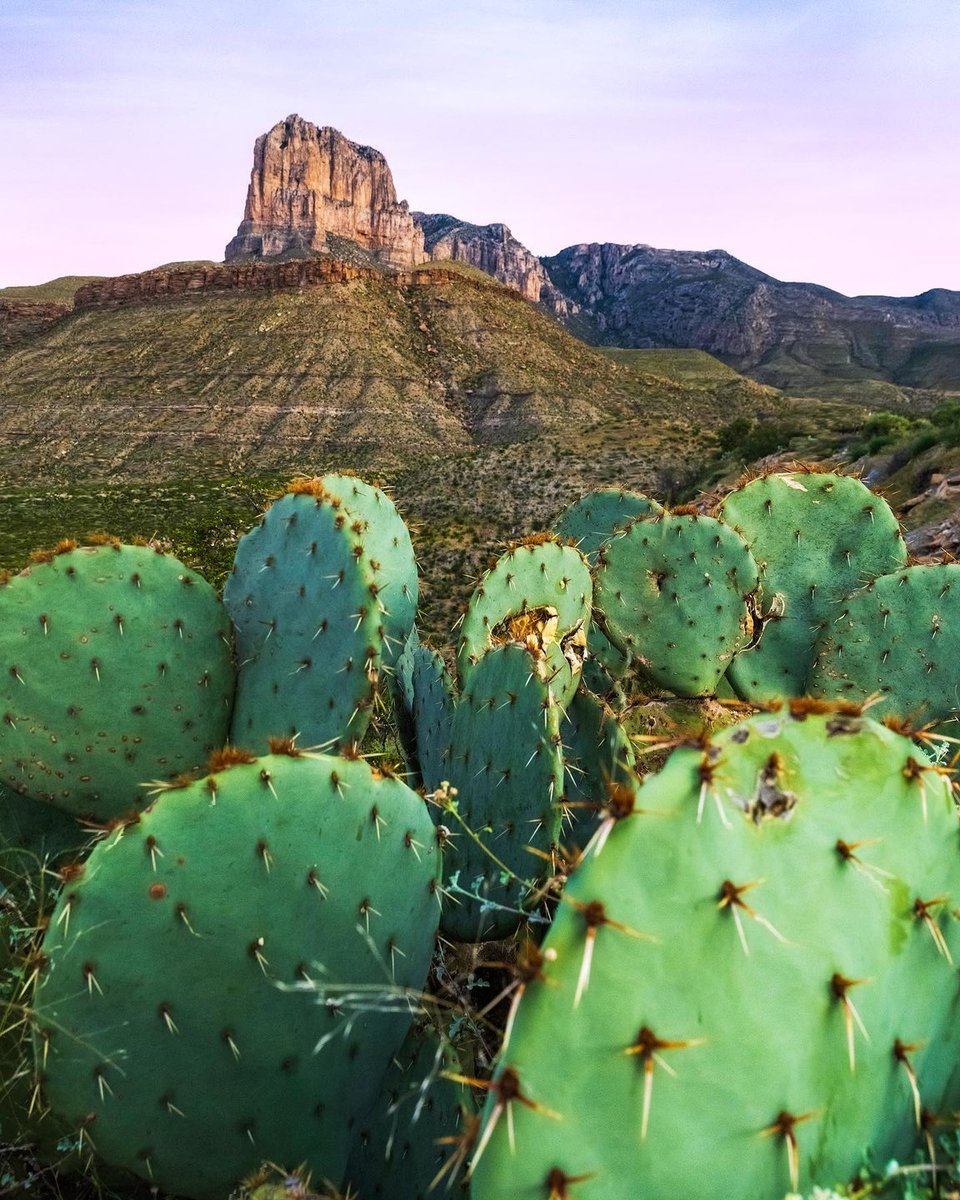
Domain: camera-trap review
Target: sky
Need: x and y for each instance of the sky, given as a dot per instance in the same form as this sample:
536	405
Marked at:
817	140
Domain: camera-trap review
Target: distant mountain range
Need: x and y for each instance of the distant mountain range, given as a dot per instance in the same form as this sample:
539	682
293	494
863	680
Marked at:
310	185
314	193
790	335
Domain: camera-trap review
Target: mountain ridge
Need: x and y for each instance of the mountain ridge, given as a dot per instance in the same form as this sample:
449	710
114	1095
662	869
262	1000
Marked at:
782	333
314	195
250	367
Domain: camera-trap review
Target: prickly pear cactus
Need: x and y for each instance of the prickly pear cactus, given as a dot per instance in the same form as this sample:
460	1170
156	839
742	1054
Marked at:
507	769
387	545
675	593
597	516
227	980
598	761
538	593
304	598
899	637
589	522
115	669
434	705
415	1138
816	537
751	982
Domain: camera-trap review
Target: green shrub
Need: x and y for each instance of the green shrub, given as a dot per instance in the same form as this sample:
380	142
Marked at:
750	440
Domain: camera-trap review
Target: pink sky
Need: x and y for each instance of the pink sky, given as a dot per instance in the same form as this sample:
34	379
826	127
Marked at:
817	141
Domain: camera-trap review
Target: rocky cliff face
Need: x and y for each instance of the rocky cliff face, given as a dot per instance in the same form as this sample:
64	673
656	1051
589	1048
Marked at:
493	249
21	318
223	279
785	334
308	183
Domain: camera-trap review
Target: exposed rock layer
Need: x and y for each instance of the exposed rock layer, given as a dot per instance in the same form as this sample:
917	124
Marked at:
223	279
308	182
493	249
20	318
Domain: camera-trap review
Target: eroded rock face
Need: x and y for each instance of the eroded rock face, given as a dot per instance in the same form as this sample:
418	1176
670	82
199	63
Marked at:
308	183
493	249
784	334
221	279
20	318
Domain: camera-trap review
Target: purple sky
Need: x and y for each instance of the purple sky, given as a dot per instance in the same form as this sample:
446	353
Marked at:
816	140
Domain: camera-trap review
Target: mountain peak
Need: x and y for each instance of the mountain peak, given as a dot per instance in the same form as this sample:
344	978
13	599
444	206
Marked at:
310	183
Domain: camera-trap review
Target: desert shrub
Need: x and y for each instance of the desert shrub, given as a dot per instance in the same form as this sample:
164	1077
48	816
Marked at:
750	440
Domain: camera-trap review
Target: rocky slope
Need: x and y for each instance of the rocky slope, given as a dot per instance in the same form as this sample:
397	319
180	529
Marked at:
785	334
259	366
494	250
310	183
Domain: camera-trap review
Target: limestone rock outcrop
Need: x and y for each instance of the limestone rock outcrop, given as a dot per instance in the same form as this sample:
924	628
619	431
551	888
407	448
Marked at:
493	249
21	318
223	279
310	185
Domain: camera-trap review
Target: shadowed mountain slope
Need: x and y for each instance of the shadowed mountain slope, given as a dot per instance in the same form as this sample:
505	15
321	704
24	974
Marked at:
790	335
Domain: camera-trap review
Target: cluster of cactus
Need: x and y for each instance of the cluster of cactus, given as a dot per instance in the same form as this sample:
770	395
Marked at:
240	936
748	972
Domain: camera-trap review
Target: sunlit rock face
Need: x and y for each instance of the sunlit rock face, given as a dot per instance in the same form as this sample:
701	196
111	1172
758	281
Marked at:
308	183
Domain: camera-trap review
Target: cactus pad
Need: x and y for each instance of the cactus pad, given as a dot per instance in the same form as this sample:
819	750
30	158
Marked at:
539	590
597	516
115	669
507	767
598	761
226	981
816	537
751	982
900	637
386	542
674	592
304	598
434	705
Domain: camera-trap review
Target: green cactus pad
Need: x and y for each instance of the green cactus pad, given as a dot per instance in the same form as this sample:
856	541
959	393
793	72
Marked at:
304	598
411	1138
115	669
539	590
598	759
591	521
227	980
434	704
507	768
386	543
750	986
899	637
597	516
816	538
35	837
674	592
